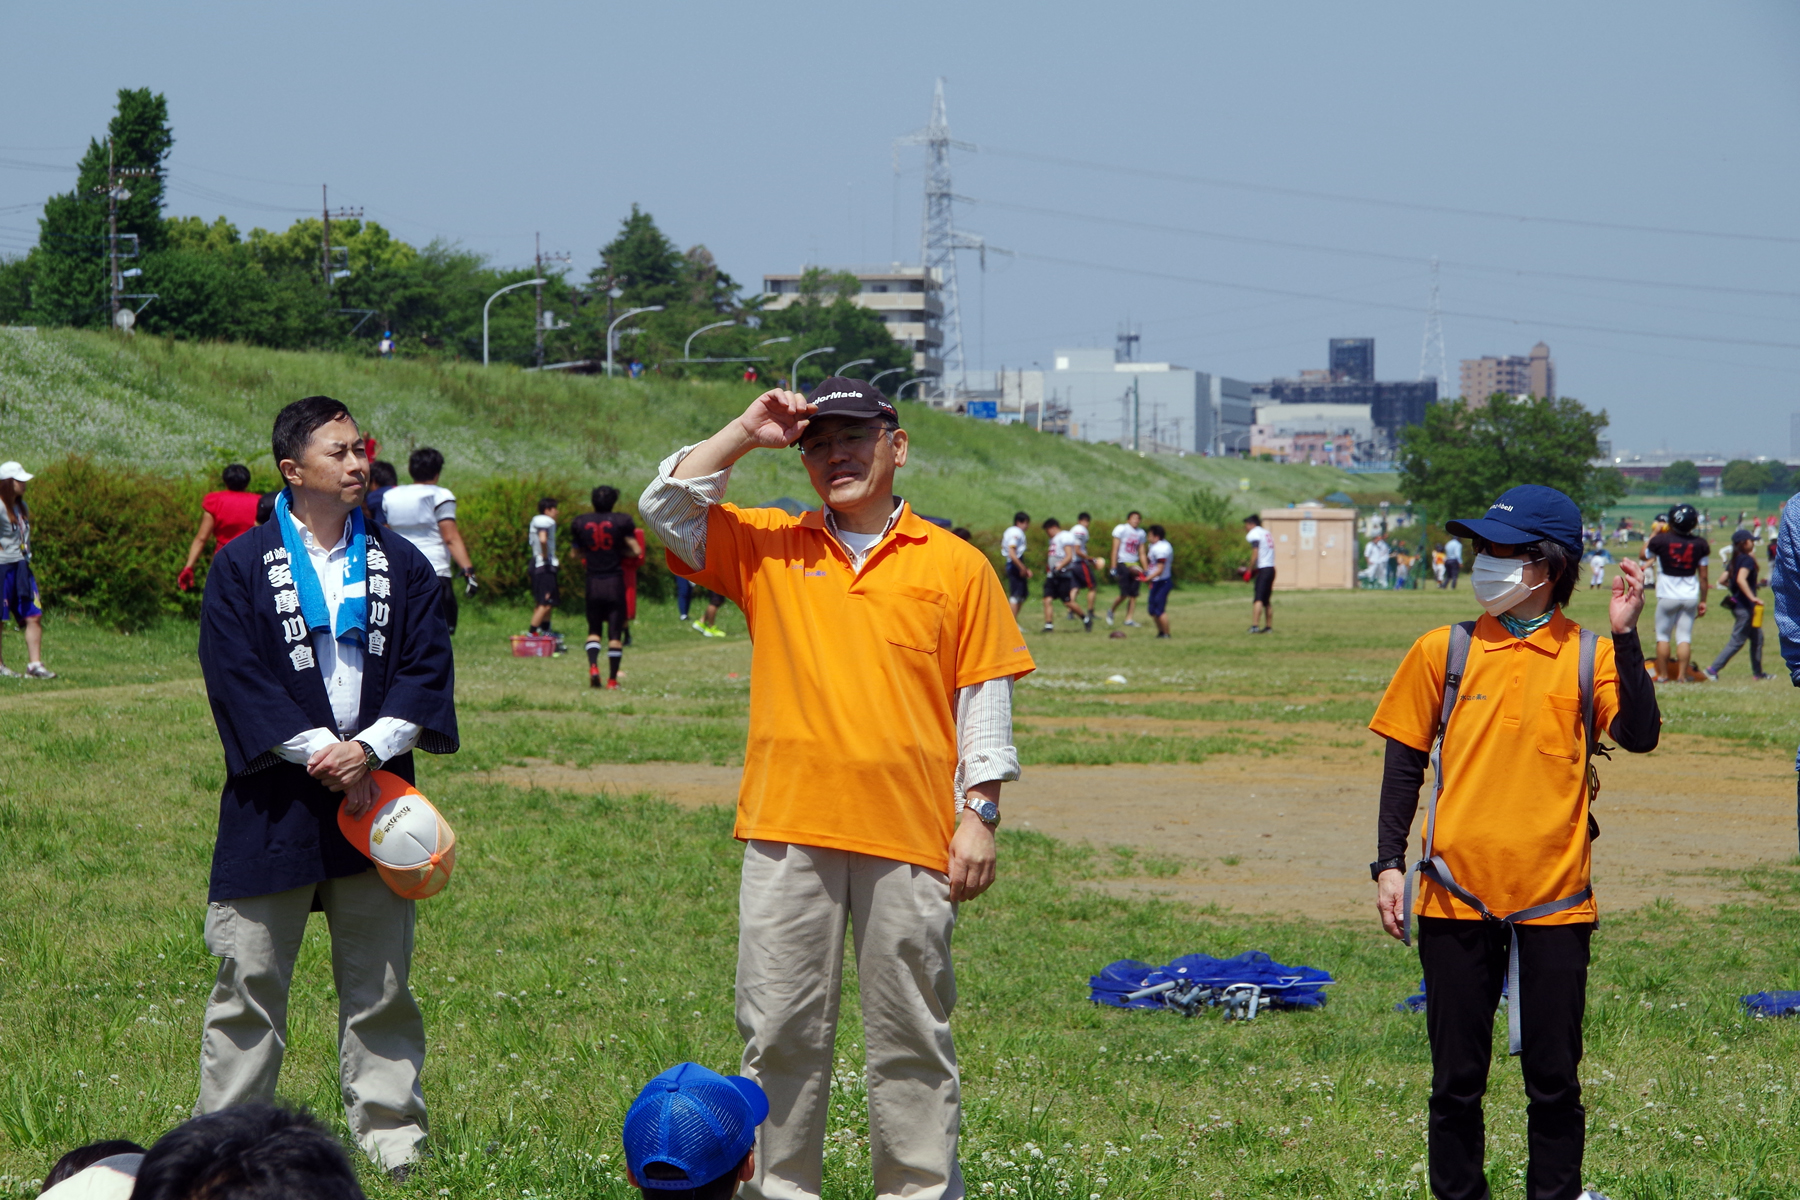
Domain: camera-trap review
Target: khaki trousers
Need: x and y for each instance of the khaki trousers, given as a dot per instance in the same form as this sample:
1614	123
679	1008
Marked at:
793	905
381	1034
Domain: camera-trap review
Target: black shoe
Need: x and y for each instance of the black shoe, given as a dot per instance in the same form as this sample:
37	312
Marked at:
1163	637
1087	623
594	677
1254	629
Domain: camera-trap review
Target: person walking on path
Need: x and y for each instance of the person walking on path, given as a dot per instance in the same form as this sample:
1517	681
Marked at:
883	660
18	586
1453	563
1262	582
1746	606
1508	709
1160	577
1018	575
223	516
1128	564
1681	587
606	539
425	515
325	658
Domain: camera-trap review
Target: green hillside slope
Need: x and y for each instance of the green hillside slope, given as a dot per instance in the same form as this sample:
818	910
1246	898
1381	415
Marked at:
181	407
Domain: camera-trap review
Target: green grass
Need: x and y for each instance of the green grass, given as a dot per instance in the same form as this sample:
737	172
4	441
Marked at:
179	407
587	941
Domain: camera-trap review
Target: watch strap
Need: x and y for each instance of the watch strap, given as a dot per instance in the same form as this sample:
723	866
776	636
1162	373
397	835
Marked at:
1396	863
371	759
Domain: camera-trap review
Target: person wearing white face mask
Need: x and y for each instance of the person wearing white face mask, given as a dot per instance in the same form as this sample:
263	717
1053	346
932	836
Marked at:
1508	709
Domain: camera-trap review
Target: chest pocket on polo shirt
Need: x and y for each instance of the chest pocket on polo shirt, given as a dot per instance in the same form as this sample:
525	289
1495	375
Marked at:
1559	727
908	616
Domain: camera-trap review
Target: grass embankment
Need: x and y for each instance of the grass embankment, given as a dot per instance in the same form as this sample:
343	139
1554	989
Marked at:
180	407
588	942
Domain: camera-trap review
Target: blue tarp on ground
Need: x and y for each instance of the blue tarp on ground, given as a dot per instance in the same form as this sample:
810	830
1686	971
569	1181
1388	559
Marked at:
1773	1004
1282	985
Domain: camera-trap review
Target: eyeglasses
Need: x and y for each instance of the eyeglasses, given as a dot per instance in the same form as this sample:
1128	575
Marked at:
858	439
1496	550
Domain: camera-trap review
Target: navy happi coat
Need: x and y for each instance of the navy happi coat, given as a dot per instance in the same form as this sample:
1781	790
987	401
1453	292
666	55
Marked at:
277	824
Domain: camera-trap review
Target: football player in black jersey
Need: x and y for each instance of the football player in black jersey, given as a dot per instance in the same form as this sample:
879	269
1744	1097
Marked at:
605	539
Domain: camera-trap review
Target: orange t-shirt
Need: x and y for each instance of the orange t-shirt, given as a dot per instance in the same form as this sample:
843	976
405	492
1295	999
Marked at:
854	677
1512	822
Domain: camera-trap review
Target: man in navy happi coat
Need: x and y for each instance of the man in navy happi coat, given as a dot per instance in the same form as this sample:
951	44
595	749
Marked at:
325	658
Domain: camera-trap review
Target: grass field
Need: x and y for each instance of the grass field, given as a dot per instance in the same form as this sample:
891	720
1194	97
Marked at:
587	942
178	407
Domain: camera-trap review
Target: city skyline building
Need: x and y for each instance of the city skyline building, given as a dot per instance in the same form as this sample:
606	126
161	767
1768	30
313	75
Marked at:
1532	374
1350	379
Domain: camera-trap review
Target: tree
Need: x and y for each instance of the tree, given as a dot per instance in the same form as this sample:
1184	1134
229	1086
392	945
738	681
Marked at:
1463	456
1742	477
1780	478
1680	478
69	281
642	263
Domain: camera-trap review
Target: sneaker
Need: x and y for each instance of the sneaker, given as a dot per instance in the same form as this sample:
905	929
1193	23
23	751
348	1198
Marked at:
7	672
1255	629
681	618
1711	674
39	671
1109	619
1163	637
715	631
1761	678
1049	627
1130	624
612	685
701	629
1591	1194
1087	623
593	676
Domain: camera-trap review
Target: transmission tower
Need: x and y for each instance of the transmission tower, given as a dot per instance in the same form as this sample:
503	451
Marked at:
940	238
1432	363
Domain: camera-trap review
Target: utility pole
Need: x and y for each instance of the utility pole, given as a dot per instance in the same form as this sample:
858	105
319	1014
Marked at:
543	326
115	192
1136	408
325	216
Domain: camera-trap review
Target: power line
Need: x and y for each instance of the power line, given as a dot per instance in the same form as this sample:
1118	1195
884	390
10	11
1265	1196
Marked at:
1269	291
1408	205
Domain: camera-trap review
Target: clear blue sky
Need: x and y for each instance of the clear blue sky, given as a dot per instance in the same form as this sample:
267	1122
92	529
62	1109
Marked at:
766	132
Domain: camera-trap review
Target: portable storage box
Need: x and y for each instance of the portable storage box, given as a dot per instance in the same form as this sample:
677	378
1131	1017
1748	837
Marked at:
533	645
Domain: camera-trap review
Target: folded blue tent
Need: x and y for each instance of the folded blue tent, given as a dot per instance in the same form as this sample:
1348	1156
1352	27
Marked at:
1773	1004
1243	986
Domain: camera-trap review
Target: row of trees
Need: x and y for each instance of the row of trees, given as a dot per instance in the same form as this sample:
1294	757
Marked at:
1741	477
213	282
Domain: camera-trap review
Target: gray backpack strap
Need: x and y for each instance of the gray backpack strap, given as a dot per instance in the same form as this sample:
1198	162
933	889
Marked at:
1456	660
1588	638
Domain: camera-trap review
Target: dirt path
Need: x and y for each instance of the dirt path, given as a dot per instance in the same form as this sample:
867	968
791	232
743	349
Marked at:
1301	827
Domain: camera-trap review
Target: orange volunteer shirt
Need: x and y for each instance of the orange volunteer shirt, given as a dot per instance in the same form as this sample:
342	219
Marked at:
1512	822
854	677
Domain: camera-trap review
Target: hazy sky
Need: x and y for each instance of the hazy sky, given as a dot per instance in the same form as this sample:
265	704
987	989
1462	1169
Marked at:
1240	182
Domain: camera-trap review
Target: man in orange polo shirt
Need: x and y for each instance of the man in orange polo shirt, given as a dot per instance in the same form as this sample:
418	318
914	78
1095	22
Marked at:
883	660
1505	894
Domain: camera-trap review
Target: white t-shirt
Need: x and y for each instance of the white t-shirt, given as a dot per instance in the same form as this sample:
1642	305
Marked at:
1131	540
413	511
1063	548
1264	542
1164	554
547	525
1080	533
1014	540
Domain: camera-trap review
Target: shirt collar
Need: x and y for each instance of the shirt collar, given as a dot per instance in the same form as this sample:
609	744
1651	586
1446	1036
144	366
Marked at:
903	523
1549	640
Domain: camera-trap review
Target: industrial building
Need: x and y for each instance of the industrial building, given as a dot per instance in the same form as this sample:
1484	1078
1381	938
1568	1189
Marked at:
906	297
1156	407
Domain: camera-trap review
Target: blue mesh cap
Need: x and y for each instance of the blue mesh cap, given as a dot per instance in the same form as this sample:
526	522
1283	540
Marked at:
696	1120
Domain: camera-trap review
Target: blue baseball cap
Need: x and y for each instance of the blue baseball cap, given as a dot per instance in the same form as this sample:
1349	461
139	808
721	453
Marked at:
1528	513
693	1119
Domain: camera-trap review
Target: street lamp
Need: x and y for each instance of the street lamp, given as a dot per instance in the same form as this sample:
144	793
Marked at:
794	372
902	388
889	371
855	362
484	312
772	342
687	348
609	332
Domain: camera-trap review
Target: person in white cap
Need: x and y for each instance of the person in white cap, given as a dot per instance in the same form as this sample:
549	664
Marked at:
18	587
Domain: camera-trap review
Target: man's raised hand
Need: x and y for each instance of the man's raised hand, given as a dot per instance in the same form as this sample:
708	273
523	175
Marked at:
775	418
1627	596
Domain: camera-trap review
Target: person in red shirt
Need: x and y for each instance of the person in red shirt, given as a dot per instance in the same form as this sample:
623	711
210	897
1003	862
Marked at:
223	515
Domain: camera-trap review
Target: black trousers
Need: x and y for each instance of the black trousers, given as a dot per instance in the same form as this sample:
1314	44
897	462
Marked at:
1465	968
447	600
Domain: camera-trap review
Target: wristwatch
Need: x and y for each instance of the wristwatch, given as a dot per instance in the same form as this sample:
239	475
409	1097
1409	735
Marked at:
373	760
1396	863
986	811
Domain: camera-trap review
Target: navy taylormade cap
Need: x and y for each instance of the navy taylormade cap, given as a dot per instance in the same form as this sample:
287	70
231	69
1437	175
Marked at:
1527	513
698	1121
840	397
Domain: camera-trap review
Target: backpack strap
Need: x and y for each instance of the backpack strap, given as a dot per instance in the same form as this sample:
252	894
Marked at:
1456	659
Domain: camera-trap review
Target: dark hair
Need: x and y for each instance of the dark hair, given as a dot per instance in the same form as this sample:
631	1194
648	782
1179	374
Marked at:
1084	516
1253	519
425	463
963	533
382	474
722	1188
604	497
1562	564
1134	513
294	425
236	477
265	505
83	1157
1157	531
546	504
248	1152
1021	516
1049	521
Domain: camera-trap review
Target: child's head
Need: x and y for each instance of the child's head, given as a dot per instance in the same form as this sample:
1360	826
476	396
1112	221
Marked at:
691	1134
